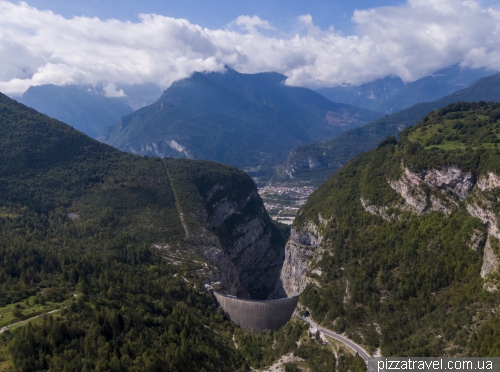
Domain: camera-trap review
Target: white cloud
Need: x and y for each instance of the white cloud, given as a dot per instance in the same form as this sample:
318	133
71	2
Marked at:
411	40
251	23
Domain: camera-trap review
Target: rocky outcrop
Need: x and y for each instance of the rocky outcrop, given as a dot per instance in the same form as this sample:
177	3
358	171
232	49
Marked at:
488	182
490	260
241	241
454	186
386	212
295	164
301	249
451	182
477	240
480	205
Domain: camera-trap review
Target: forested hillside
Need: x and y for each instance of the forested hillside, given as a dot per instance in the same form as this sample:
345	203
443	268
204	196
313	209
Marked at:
316	162
400	246
97	234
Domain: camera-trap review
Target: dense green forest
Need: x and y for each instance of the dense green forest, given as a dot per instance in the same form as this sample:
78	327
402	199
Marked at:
331	155
94	234
409	283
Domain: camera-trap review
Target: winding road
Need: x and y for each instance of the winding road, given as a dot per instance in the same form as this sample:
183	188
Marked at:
362	352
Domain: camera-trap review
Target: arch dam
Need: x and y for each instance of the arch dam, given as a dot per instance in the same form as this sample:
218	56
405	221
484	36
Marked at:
257	314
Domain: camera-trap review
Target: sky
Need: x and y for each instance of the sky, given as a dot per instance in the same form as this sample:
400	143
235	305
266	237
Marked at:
315	43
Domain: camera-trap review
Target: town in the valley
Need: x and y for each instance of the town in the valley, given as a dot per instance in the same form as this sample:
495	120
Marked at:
282	203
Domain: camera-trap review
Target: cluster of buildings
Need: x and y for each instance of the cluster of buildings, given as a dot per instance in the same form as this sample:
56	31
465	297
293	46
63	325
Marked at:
282	203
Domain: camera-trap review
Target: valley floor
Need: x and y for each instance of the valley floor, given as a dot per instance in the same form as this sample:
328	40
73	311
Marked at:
282	203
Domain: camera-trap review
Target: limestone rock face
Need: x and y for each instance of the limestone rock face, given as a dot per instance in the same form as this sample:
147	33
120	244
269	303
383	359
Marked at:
490	260
453	185
488	182
301	249
241	241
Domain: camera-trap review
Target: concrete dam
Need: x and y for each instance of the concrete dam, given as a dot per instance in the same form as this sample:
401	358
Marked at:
255	314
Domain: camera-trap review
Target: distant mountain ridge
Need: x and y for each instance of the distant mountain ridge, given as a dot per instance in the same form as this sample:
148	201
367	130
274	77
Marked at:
316	162
390	94
250	121
77	106
369	95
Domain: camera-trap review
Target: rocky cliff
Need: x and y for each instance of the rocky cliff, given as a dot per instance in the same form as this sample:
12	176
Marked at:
244	244
229	227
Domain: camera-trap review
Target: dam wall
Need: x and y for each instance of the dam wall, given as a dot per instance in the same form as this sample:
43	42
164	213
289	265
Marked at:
257	315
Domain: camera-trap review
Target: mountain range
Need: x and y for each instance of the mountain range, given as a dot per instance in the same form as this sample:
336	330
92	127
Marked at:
399	249
391	94
78	106
86	107
314	163
250	121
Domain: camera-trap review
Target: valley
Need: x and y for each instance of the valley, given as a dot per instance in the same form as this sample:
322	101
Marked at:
401	237
253	186
314	163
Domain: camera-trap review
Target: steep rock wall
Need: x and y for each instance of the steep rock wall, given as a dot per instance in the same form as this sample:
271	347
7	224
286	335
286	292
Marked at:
241	241
300	250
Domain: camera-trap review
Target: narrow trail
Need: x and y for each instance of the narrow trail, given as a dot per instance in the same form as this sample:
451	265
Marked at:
27	320
177	201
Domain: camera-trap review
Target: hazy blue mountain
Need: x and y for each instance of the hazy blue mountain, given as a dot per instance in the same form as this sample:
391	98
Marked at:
250	121
433	87
139	95
369	96
78	106
390	94
315	162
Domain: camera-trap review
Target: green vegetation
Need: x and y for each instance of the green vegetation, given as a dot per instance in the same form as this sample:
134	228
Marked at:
80	218
33	306
413	282
264	348
331	155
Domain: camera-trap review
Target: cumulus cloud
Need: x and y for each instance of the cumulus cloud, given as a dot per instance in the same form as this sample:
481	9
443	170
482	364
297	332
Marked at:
410	41
251	23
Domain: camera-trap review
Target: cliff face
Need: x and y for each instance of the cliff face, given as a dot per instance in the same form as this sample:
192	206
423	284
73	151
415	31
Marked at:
247	247
302	248
226	223
406	236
